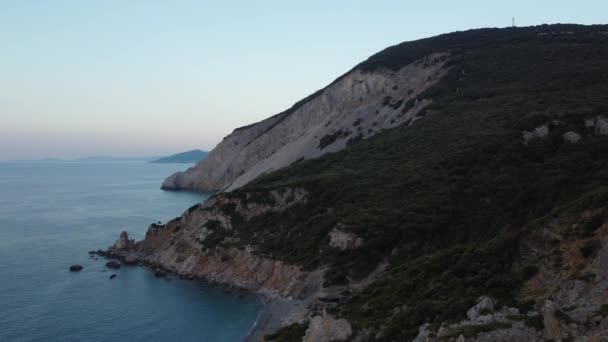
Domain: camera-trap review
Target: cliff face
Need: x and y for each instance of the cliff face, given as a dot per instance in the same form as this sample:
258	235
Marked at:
187	246
356	106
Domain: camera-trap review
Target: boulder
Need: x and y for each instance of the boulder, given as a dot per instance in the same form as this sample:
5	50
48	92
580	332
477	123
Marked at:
425	334
485	305
113	265
325	328
158	273
538	132
601	125
553	327
131	259
344	240
75	268
571	137
113	276
604	323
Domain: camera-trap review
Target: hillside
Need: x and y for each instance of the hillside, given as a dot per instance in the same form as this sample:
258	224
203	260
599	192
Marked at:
193	156
478	214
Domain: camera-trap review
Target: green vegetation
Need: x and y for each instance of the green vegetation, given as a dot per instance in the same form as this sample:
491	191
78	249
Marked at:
447	199
397	56
329	139
535	322
559	314
590	248
595	222
603	310
293	332
437	288
471	331
217	234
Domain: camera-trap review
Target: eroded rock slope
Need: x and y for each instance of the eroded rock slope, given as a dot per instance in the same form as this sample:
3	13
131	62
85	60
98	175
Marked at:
356	106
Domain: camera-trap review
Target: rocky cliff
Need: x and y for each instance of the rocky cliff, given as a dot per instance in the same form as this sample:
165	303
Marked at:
354	107
478	214
184	246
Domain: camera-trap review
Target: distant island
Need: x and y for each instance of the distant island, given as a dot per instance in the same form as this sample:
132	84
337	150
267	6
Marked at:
193	156
110	159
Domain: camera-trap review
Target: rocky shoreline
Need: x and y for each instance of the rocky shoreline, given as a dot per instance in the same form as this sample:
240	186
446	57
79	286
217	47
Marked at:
276	311
486	321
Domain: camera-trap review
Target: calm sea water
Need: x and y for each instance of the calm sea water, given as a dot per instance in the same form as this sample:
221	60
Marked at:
51	214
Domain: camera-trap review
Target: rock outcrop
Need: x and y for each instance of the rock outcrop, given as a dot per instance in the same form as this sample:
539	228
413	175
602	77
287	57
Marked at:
599	124
569	293
484	306
325	328
485	324
538	132
356	106
123	243
571	137
341	239
181	247
131	259
594	126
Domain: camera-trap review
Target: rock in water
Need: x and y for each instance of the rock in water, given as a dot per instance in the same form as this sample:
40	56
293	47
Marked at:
113	276
75	268
113	264
158	273
131	259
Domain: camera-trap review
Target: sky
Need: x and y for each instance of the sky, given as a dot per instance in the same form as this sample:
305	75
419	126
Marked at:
142	77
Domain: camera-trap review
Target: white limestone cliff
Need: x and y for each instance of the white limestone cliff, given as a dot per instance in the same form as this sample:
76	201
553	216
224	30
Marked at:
354	107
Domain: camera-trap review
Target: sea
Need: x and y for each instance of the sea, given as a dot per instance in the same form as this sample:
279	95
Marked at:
53	213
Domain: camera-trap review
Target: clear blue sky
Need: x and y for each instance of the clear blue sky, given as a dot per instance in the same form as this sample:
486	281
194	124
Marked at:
128	77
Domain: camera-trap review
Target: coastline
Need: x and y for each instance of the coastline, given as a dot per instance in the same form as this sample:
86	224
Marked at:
276	311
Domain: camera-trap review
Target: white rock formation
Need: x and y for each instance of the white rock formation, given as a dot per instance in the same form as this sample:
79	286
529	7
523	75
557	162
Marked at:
344	240
484	306
571	137
356	106
484	323
325	328
538	132
599	124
